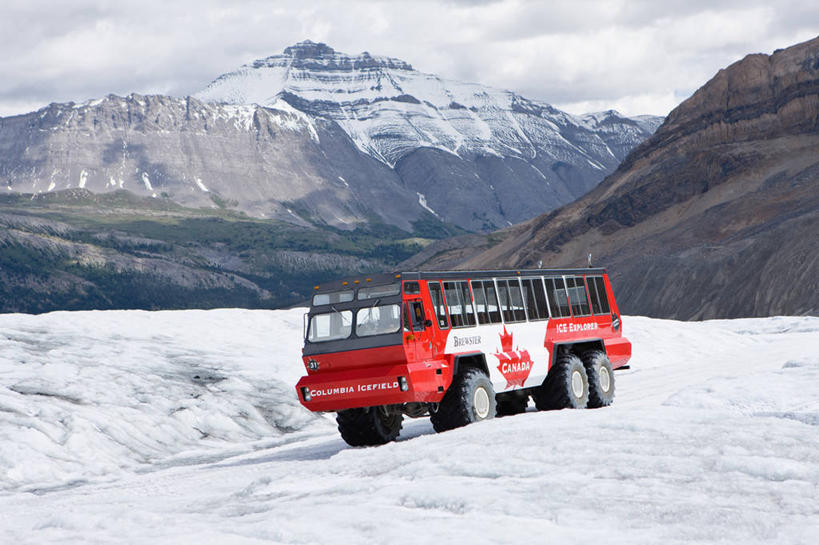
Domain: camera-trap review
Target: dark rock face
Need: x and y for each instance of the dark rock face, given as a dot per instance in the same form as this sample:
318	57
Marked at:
717	214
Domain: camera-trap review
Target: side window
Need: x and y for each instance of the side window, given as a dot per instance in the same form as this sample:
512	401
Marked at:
595	300
459	302
516	301
492	307
534	298
601	292
503	297
549	283
438	304
540	297
577	295
480	302
412	288
557	297
466	301
453	303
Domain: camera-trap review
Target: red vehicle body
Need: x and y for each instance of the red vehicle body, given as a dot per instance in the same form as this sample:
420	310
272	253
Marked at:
408	343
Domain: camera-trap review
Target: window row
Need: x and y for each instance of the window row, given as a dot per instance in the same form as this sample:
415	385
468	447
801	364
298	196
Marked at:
516	299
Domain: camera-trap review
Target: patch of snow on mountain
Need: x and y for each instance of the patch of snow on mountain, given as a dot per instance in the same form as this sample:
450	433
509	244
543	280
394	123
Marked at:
422	200
200	185
147	181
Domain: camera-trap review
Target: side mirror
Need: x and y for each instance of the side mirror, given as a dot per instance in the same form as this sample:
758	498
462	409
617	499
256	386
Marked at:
427	323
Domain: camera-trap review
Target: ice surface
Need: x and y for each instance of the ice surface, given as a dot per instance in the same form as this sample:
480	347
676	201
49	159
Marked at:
183	427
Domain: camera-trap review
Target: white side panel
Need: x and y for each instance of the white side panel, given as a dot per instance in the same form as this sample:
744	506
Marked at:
515	353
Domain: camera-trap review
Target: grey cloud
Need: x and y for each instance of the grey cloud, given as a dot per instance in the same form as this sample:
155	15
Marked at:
58	51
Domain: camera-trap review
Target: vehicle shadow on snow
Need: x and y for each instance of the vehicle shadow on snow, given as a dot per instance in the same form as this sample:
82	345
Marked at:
326	449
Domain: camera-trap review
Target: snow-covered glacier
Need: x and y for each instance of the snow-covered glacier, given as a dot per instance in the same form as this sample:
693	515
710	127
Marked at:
183	427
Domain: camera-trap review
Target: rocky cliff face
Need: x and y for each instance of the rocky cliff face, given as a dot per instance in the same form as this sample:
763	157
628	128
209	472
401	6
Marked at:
270	162
717	214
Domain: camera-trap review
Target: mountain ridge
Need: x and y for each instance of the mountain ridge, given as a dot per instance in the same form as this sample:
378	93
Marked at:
714	216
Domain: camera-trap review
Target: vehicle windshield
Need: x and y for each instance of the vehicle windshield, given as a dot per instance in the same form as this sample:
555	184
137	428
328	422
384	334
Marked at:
330	326
377	320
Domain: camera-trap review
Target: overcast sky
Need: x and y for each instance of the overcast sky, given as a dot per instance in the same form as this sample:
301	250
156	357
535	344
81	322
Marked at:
581	55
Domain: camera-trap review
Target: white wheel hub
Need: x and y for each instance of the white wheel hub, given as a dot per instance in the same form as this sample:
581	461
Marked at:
577	384
481	402
605	379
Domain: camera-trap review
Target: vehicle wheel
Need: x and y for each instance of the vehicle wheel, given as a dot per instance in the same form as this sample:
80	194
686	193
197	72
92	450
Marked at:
601	378
566	386
469	399
369	425
511	403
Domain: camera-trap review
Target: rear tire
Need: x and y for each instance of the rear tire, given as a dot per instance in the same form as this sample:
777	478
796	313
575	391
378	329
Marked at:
369	425
511	403
470	398
601	378
566	386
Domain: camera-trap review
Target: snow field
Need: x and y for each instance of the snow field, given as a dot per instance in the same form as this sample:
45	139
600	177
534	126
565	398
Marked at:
88	394
713	438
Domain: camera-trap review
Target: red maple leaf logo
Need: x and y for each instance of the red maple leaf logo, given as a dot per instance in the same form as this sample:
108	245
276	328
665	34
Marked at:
514	365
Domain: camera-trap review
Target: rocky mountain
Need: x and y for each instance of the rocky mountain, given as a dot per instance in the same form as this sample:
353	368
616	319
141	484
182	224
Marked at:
716	215
272	162
314	136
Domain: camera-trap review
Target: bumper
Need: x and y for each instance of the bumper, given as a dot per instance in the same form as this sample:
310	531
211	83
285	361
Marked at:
368	387
618	350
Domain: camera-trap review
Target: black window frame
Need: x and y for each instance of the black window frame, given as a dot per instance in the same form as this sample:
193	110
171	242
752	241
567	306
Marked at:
600	284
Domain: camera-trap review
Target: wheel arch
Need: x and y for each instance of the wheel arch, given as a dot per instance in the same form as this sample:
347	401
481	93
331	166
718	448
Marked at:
474	360
577	348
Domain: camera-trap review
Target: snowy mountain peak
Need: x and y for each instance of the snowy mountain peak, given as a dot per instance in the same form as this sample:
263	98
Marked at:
309	48
309	55
390	109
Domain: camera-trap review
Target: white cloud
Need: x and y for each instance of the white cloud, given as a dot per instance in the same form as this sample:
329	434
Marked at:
636	56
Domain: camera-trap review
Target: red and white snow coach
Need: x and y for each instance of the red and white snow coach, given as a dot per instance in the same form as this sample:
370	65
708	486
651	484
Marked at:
461	346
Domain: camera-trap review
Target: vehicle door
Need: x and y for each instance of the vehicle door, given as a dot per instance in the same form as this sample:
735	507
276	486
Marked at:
420	329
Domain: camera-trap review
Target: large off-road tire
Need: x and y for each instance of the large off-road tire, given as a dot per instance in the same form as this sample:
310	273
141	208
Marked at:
511	403
601	378
566	386
470	398
369	425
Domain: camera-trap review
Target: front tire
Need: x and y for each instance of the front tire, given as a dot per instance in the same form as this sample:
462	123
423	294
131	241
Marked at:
601	378
566	386
470	398
369	425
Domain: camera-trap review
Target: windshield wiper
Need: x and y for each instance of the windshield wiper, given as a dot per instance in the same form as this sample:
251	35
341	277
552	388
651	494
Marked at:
339	313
